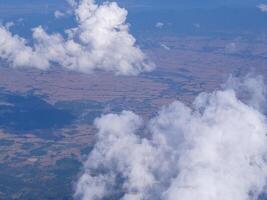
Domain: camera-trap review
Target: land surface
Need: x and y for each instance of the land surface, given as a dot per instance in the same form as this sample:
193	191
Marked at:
51	113
46	117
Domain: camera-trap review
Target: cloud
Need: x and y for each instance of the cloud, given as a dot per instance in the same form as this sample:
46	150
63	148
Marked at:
14	49
262	7
101	41
9	25
214	149
164	46
159	25
58	14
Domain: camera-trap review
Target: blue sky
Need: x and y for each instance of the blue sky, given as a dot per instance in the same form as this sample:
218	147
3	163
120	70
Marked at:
214	16
162	3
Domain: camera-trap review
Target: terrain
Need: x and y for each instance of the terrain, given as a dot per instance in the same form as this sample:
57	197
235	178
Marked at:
46	117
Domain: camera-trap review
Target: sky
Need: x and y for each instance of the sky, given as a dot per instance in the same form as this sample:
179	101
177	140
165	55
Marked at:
214	17
165	3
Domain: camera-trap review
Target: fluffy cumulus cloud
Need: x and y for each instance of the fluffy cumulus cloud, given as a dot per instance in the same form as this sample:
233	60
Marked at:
214	149
262	7
101	41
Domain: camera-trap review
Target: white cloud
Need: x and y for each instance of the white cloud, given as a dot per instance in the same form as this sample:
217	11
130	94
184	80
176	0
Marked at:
15	50
9	25
214	150
164	46
101	41
59	14
262	7
159	25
